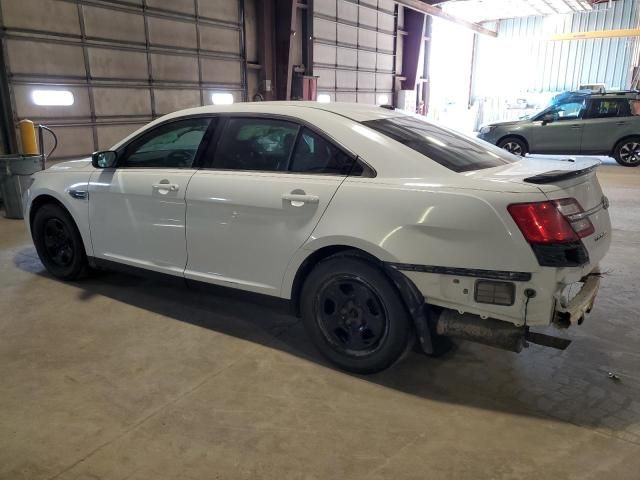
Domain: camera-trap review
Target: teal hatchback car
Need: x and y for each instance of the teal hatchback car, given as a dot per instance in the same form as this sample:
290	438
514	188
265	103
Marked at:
576	123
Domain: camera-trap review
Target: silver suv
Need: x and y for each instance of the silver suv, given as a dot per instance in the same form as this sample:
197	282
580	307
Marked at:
576	123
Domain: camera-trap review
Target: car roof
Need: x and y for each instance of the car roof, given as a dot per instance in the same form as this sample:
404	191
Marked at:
354	111
589	93
614	94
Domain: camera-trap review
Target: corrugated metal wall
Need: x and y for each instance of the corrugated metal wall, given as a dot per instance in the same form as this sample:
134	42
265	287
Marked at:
354	49
522	59
125	61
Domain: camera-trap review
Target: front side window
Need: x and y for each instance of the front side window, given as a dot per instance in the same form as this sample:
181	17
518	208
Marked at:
314	154
571	110
610	108
172	145
255	144
450	149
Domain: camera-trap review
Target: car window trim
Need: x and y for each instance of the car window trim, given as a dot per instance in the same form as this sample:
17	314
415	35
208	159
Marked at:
294	148
368	170
196	160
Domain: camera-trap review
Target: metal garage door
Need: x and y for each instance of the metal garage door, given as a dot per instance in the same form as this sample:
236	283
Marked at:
354	49
125	62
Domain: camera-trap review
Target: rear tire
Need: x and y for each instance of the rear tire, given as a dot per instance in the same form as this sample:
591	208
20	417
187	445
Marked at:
58	243
354	315
627	152
514	145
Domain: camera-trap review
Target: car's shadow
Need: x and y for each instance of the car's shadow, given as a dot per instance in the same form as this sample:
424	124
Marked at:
538	382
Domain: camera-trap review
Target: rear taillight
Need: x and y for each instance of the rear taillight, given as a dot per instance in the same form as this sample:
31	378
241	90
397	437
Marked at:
557	221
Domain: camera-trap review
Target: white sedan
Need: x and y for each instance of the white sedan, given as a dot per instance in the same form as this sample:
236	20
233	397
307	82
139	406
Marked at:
378	226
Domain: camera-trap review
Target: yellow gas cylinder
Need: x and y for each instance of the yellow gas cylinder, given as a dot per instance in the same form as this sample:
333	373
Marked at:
28	137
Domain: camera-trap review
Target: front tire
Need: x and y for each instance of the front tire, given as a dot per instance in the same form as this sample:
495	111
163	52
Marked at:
627	152
514	145
58	243
354	314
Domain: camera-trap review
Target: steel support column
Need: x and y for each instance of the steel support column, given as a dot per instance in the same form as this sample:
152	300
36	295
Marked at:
8	140
414	24
266	24
426	80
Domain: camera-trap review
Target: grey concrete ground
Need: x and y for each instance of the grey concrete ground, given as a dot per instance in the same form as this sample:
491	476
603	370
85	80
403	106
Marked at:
122	378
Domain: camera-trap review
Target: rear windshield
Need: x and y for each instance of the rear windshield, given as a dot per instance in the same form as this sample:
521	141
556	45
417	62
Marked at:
453	150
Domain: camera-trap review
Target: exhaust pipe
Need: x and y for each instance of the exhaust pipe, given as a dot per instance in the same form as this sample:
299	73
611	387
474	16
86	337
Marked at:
487	331
492	332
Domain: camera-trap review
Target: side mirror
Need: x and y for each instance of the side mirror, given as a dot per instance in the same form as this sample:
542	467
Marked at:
548	118
104	159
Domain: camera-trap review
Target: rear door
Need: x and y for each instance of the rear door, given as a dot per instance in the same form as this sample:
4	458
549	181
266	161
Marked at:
264	188
607	120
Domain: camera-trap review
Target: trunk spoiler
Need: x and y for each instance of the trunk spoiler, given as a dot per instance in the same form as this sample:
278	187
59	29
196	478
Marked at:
558	175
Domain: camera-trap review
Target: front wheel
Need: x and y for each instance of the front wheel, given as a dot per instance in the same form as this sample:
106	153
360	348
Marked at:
514	145
627	152
354	315
58	243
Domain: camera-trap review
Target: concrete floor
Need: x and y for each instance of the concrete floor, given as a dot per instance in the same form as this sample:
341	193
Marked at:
123	378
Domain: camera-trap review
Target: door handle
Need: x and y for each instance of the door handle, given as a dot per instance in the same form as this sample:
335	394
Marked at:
621	123
172	187
299	199
576	126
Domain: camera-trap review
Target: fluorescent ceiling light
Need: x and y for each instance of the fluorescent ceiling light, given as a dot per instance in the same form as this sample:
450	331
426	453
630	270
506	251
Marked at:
383	99
324	98
220	98
62	98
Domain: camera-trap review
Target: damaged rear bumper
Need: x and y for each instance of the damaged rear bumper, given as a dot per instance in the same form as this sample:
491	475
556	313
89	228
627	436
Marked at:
573	311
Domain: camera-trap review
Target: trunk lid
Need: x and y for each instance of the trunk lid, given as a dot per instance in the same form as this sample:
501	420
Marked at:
587	191
526	170
558	179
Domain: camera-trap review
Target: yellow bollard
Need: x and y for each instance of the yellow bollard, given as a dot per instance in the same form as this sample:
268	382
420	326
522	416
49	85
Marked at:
28	137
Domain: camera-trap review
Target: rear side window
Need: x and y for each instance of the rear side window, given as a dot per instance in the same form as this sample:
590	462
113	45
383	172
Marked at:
255	144
314	154
450	149
609	108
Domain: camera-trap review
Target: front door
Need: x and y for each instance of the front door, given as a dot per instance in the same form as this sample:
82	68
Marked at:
137	210
561	131
268	184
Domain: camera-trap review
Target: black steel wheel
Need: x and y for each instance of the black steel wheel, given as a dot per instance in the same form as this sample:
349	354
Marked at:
354	314
351	315
514	145
627	152
58	242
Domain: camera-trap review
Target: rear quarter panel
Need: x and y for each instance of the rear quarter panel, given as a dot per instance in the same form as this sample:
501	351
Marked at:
415	222
422	223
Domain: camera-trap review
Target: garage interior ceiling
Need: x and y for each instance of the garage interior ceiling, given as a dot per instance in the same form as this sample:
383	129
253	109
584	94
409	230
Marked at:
486	10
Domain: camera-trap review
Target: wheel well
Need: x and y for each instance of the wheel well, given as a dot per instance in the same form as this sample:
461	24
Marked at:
628	137
316	257
40	201
413	300
519	137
